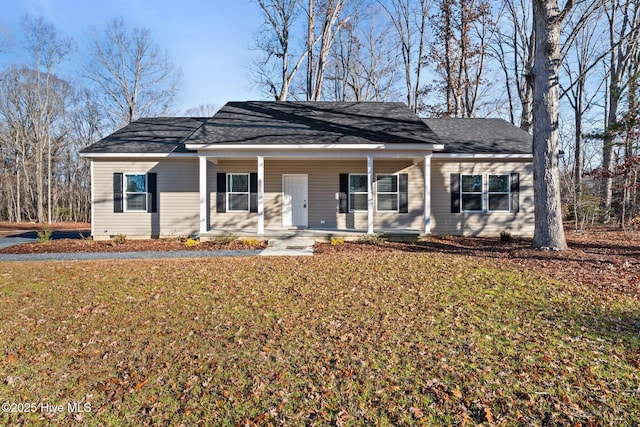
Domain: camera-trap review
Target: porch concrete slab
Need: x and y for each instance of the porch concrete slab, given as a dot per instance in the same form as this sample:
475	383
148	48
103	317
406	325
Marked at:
289	246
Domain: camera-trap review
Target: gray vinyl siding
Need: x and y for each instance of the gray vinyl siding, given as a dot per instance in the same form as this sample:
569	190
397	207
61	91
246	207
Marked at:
229	220
323	179
178	199
443	222
179	212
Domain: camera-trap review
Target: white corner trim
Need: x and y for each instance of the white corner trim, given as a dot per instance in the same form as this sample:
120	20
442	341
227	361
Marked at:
93	198
260	195
202	180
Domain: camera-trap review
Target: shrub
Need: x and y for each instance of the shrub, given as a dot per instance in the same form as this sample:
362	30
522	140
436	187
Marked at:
336	241
373	239
251	242
224	240
190	242
44	235
119	239
506	237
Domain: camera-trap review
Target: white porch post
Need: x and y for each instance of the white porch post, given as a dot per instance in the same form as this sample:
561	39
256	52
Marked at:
260	195
370	205
203	194
427	194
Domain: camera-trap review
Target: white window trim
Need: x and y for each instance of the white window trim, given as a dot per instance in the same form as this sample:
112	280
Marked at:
397	192
126	193
351	210
248	192
485	193
508	192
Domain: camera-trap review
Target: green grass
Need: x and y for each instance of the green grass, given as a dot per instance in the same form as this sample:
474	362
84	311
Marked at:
387	339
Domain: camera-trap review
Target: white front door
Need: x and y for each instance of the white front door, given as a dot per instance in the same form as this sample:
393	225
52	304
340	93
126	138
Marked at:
294	201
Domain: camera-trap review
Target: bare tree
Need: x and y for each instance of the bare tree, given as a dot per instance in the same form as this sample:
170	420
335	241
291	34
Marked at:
202	110
85	124
30	133
274	70
584	53
363	59
331	22
513	49
410	18
5	38
133	75
463	30
547	21
623	17
46	49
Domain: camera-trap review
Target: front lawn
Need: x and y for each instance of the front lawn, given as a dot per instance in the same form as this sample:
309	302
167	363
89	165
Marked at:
374	337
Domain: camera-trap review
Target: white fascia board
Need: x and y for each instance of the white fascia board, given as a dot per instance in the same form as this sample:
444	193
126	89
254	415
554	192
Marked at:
316	155
139	155
482	156
312	147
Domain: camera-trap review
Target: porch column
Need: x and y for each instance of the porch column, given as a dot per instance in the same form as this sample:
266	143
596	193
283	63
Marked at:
370	205
203	194
427	194
260	195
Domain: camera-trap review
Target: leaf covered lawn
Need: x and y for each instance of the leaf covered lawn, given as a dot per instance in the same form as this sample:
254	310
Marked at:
387	338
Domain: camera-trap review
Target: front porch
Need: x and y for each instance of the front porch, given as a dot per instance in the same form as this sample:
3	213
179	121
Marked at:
309	194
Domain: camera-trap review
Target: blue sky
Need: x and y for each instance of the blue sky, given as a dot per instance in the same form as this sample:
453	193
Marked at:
210	40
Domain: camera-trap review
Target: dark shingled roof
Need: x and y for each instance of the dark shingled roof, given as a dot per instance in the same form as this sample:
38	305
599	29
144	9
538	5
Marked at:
257	122
159	135
262	122
476	136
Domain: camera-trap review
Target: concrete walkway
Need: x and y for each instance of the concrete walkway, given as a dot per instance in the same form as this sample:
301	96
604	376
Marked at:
289	246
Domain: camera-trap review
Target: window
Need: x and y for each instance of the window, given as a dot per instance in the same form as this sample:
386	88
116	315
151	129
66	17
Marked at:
136	192
358	193
471	193
238	192
387	192
499	186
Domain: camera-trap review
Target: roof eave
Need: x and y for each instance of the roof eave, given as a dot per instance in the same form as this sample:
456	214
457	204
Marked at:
137	155
314	147
485	156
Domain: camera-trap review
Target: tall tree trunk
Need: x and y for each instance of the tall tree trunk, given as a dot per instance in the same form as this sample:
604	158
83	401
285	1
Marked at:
547	19
607	149
311	35
578	158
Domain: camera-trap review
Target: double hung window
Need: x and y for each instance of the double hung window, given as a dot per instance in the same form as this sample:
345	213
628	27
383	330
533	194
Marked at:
387	192
357	192
136	192
238	192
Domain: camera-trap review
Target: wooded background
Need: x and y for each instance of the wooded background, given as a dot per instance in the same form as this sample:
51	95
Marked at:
445	58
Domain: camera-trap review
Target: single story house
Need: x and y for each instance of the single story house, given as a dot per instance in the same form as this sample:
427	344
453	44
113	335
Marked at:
266	167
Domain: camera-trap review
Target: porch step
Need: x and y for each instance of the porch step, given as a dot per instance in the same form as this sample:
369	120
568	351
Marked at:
289	246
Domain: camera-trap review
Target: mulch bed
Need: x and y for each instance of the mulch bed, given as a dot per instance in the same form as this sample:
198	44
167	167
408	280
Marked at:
603	258
151	245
